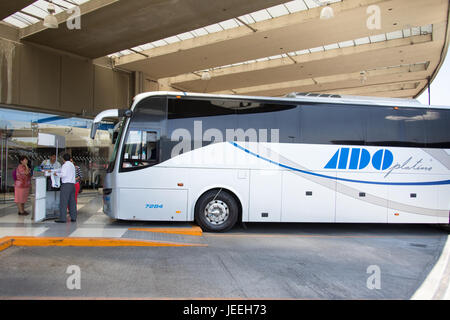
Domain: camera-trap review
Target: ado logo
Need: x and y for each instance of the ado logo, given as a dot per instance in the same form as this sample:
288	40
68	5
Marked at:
359	158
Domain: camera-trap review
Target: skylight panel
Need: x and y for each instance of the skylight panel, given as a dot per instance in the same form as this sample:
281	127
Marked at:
185	36
378	38
247	19
172	39
296	5
415	31
200	32
427	29
229	24
278	11
278	56
159	43
214	28
317	49
361	41
260	15
312	4
394	35
331	46
346	44
16	22
38	10
147	46
301	52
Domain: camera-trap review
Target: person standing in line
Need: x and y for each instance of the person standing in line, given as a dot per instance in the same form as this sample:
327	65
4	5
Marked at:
50	164
78	177
67	197
22	185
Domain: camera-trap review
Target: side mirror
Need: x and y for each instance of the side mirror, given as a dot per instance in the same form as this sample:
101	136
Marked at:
127	113
113	113
94	128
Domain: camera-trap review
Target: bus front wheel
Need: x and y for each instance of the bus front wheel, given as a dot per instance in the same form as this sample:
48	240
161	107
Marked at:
216	211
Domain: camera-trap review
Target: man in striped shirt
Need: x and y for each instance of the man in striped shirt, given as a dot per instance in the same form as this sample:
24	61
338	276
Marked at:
78	177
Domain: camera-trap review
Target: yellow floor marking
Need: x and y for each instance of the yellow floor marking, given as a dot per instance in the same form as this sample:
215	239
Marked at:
87	242
192	231
5	243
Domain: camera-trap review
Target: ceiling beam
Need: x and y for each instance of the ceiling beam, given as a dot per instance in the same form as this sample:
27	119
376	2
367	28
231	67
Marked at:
407	94
320	64
293	32
378	88
339	81
301	60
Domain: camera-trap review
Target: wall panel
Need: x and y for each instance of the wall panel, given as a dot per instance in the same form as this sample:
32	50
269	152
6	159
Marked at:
77	85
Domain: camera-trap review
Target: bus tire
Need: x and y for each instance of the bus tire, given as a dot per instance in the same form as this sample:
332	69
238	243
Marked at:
216	211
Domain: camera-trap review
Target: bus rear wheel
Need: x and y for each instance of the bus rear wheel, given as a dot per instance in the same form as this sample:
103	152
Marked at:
216	211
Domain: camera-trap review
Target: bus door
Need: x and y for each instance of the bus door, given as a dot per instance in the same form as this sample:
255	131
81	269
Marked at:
146	193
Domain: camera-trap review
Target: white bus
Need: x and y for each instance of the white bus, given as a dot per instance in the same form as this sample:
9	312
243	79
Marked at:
218	159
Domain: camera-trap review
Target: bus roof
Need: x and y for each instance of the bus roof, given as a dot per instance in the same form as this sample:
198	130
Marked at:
303	97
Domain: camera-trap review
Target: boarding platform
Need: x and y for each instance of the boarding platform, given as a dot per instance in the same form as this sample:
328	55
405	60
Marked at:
92	228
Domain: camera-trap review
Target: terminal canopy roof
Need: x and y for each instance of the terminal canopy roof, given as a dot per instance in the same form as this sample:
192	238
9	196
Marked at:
388	48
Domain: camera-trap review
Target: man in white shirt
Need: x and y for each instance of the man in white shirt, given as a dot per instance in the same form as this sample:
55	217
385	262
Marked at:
50	164
67	197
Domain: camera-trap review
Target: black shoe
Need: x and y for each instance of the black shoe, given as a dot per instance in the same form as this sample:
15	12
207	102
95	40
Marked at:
60	221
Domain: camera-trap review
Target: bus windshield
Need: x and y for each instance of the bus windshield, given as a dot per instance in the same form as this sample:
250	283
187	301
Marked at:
112	160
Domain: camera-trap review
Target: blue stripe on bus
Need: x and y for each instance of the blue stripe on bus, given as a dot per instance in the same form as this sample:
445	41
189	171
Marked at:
431	183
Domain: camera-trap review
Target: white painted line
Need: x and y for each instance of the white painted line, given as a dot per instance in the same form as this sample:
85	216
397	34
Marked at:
98	233
431	284
22	232
15	218
447	293
7	205
98	219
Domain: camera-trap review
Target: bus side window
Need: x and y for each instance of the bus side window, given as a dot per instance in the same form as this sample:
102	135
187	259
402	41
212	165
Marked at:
141	149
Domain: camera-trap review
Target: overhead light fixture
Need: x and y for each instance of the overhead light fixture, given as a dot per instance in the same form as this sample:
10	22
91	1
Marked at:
206	76
363	77
327	13
50	20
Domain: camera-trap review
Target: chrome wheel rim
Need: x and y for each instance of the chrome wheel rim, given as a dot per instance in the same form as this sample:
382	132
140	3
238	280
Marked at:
216	212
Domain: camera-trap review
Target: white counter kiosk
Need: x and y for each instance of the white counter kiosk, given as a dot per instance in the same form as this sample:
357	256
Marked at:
45	203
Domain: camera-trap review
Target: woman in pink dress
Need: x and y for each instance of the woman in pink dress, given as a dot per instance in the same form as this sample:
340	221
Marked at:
22	185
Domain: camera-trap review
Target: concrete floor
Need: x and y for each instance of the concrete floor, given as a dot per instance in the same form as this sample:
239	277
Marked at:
299	261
